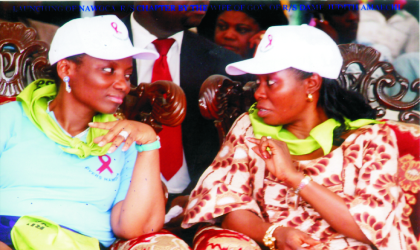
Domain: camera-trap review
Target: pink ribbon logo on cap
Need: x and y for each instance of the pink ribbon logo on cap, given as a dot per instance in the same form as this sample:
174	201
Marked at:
270	39
269	44
115	26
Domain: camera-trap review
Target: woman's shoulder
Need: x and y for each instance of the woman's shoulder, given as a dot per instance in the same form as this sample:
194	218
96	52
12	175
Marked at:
11	115
374	129
241	124
243	119
379	131
15	105
11	110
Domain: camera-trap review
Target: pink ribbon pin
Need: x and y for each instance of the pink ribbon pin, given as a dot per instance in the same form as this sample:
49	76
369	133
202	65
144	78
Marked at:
105	164
115	26
270	39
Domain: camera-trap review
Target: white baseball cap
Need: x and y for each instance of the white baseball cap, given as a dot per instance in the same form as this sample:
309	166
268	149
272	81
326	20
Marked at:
103	37
302	47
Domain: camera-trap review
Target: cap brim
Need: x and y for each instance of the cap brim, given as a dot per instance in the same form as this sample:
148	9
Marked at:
134	52
146	54
256	66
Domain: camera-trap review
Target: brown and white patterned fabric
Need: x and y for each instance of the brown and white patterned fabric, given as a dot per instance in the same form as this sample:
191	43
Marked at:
162	240
408	140
363	171
216	238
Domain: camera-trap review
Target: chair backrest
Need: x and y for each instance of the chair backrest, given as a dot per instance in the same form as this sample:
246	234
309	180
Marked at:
223	100
23	60
158	103
373	80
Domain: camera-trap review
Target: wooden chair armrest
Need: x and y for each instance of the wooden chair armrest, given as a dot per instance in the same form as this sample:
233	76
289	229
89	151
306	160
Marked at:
158	103
223	100
23	58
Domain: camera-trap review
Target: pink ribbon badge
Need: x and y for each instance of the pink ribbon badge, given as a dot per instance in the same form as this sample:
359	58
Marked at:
270	39
105	164
115	26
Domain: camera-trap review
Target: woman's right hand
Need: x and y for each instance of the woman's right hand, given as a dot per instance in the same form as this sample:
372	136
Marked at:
278	161
138	132
292	239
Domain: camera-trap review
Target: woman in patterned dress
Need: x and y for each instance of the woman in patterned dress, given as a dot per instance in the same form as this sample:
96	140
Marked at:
307	165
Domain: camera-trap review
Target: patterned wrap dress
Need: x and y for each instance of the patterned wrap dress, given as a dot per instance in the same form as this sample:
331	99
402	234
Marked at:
363	171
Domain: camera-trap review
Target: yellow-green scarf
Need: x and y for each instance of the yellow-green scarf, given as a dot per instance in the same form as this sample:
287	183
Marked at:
34	99
320	137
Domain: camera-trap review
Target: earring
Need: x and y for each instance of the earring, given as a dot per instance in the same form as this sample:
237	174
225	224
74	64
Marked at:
310	98
66	79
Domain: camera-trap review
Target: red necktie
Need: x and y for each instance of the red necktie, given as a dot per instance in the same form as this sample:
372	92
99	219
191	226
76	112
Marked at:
171	152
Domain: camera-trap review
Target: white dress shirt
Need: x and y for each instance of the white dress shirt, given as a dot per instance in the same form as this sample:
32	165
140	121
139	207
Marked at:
400	33
143	39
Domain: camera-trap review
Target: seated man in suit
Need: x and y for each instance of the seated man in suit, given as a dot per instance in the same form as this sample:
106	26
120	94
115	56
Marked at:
186	59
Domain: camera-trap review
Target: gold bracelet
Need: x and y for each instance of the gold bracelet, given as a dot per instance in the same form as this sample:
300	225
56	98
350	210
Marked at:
269	240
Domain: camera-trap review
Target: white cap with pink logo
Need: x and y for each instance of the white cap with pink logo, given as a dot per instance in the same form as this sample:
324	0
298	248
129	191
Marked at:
103	37
302	47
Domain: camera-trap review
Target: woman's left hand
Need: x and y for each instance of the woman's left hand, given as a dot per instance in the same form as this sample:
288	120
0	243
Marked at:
138	132
277	160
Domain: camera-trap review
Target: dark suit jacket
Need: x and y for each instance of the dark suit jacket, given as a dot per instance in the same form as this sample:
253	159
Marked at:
200	58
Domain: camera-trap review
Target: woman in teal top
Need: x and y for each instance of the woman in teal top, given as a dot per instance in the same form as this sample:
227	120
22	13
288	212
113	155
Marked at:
63	154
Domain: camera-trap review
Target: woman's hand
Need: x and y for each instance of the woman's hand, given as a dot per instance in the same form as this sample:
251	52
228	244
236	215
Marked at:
248	223
292	239
138	132
277	160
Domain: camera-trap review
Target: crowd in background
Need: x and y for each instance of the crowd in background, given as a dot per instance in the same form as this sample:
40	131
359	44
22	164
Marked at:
395	33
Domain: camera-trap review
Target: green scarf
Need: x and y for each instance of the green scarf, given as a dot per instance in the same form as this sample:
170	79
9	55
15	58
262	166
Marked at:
320	137
34	99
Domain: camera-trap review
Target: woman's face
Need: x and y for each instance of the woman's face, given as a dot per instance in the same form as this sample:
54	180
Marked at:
101	85
234	30
281	98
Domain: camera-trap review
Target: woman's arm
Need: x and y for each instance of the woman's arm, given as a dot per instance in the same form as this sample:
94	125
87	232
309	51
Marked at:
330	206
250	224
333	209
4	246
143	209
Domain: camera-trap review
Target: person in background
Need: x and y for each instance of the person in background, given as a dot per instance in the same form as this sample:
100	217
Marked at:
44	31
345	25
342	25
398	30
240	31
188	59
